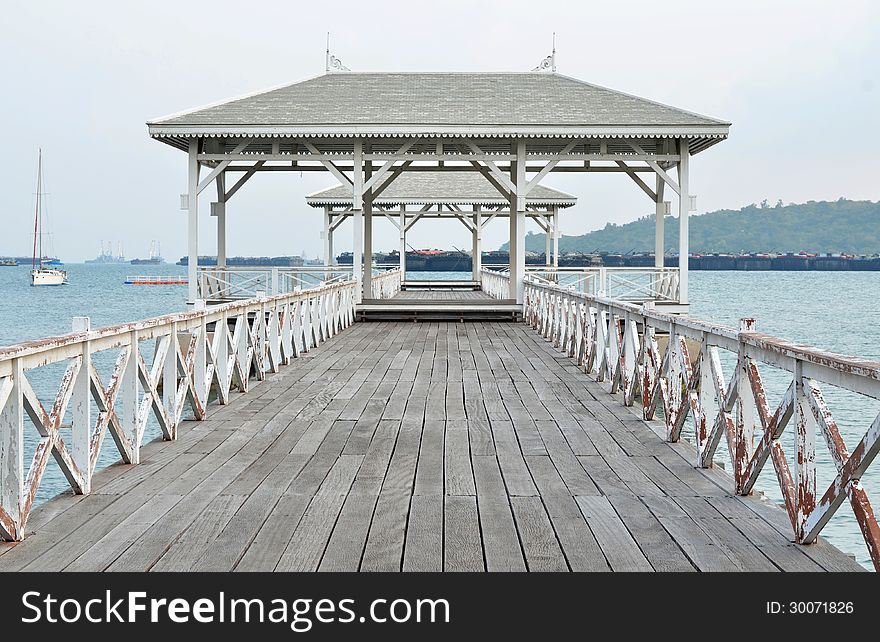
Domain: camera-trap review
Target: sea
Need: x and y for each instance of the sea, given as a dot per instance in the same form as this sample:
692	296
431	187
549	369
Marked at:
831	310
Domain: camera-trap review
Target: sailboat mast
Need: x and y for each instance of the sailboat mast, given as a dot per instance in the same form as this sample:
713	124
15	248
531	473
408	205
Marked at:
38	224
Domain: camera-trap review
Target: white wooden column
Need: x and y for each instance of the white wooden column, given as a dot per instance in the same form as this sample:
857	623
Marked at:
328	238
218	209
556	236
81	409
659	223
548	241
402	243
518	223
192	206
477	245
684	205
368	235
357	206
12	470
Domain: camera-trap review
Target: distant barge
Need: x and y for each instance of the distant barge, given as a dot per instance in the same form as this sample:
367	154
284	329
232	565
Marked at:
255	261
165	279
439	261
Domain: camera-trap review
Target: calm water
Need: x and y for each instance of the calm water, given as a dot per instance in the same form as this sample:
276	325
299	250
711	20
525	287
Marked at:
832	311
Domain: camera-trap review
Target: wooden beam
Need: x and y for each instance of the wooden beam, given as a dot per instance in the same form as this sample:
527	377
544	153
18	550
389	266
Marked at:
656	167
244	179
651	193
496	173
394	174
548	168
388	165
331	167
220	167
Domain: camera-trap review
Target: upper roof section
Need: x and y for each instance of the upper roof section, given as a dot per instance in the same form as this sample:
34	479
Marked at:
436	187
487	104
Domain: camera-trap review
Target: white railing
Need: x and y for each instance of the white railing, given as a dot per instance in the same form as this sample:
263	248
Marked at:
635	284
162	366
619	343
385	283
495	283
244	282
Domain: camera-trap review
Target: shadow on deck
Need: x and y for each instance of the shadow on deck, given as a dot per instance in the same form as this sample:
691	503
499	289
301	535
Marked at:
417	447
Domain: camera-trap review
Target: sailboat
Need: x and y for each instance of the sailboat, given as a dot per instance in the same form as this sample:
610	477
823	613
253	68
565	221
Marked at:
40	274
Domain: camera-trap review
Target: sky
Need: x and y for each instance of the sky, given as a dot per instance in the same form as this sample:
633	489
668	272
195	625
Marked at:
800	81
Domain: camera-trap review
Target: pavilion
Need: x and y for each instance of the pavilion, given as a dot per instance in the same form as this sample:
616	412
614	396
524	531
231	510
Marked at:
368	129
424	195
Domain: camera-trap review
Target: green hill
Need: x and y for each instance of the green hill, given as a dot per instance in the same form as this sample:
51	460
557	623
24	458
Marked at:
815	226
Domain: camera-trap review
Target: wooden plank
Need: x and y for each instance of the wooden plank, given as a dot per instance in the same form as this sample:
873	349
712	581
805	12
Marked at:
542	550
429	472
700	548
459	474
384	548
461	535
510	458
346	546
306	546
652	539
423	551
615	540
500	542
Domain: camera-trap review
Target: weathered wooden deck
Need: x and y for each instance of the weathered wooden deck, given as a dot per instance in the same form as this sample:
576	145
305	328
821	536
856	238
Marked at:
417	447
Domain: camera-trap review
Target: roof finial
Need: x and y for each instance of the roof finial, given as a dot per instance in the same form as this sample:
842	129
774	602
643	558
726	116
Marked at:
549	63
332	63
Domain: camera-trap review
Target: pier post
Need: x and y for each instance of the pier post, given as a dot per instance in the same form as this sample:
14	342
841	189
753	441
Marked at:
659	223
220	213
12	462
476	249
368	237
328	238
81	409
192	205
548	241
402	225
555	236
357	205
518	223
684	206
128	391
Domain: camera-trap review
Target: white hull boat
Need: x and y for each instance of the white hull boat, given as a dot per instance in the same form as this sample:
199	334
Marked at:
40	274
48	276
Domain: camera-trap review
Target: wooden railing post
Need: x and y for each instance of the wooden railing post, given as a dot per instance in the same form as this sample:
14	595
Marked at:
200	367
128	392
170	374
81	409
745	410
805	453
11	454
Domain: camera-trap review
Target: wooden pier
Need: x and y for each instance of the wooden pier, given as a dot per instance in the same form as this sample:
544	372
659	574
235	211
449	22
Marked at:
417	447
297	439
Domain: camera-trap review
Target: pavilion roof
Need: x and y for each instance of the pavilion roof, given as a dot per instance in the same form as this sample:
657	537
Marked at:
438	187
524	104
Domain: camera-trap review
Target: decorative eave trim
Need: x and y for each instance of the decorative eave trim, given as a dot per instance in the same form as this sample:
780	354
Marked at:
441	131
316	201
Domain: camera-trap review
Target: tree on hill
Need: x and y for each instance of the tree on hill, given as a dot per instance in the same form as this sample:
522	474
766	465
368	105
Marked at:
846	226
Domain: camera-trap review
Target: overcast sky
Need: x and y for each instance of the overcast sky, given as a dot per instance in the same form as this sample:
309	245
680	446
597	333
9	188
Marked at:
799	80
